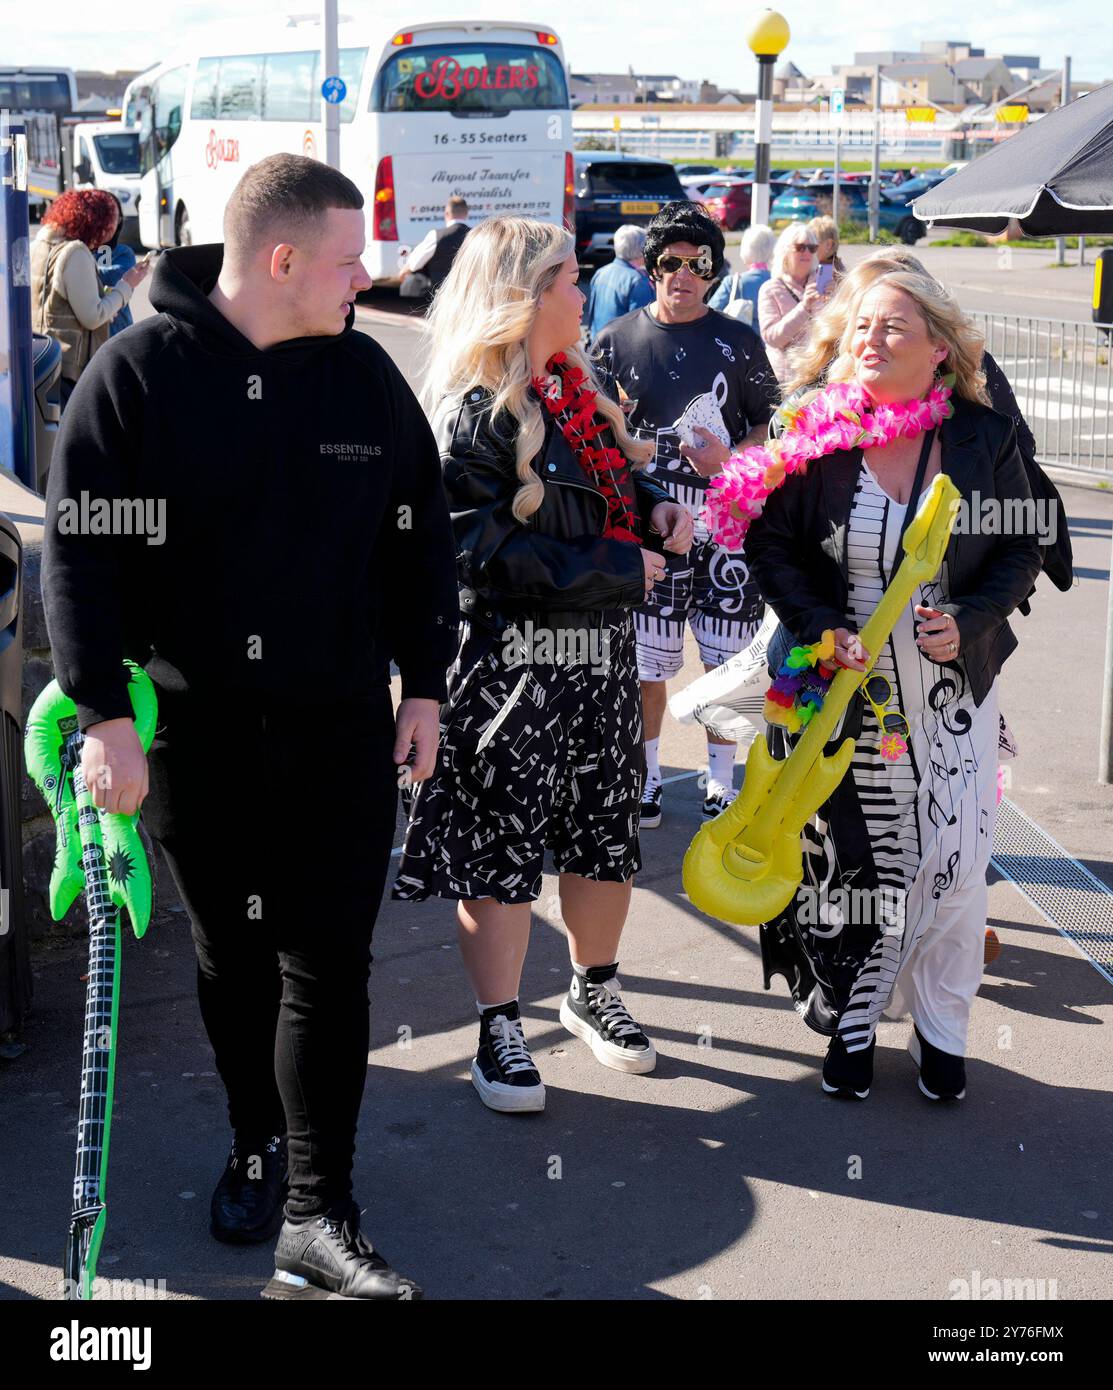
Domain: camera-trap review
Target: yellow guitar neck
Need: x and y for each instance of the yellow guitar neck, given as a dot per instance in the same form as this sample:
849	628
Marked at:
925	542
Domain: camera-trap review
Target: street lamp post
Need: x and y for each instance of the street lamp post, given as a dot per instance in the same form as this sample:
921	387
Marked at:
768	38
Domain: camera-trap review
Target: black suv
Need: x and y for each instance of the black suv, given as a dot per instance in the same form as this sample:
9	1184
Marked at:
614	189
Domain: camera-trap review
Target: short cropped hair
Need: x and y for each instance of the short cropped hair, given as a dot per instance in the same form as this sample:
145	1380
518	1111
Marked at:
629	242
283	196
456	206
684	222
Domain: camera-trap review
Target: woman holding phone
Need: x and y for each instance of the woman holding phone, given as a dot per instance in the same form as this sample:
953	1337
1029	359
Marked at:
558	537
790	299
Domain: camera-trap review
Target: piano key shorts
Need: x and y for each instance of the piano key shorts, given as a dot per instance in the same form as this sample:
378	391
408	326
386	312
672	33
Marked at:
710	590
541	749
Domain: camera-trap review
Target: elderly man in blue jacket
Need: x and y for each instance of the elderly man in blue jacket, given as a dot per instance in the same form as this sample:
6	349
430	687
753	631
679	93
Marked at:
621	286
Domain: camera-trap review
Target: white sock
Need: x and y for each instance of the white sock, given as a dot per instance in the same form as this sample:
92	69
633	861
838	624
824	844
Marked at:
502	1004
720	766
652	760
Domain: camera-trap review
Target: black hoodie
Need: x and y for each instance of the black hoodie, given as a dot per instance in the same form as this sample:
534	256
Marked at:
306	535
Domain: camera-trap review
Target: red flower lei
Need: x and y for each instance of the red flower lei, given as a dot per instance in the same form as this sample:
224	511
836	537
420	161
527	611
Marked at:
572	404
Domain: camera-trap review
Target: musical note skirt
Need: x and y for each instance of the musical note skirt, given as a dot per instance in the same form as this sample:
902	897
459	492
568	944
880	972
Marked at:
541	748
891	912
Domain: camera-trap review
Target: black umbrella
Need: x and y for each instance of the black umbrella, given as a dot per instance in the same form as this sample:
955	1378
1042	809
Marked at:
1054	178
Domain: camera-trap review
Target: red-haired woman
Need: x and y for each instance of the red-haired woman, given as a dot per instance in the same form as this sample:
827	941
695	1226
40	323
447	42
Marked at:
66	294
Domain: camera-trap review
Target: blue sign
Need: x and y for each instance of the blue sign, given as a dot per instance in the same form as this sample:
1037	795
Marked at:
334	90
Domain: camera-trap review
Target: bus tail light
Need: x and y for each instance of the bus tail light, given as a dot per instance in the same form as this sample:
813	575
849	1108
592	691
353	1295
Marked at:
547	39
399	39
384	223
569	191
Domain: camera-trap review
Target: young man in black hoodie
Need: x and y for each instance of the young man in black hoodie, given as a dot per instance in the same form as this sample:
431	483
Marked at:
297	539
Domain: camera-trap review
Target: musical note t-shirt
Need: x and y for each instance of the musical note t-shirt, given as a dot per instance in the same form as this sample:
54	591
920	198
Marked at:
712	372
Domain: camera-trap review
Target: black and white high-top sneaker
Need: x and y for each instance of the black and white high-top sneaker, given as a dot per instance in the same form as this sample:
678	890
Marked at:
503	1072
651	805
848	1074
717	800
593	1011
942	1074
330	1259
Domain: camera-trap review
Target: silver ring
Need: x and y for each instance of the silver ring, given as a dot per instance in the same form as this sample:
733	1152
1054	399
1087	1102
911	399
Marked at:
954	646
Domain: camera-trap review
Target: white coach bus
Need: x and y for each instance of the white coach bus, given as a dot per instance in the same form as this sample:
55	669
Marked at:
478	109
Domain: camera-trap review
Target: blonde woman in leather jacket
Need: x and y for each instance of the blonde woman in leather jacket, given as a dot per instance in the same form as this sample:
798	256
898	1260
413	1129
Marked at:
558	538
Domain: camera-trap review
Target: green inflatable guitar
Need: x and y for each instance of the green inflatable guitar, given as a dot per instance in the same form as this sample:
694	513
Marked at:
101	852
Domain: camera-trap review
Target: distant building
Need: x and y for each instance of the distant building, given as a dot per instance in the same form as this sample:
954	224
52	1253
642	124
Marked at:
603	89
98	90
1046	95
987	79
787	76
712	95
957	82
629	89
668	87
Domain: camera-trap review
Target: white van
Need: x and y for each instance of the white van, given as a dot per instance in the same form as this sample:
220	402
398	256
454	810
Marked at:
105	154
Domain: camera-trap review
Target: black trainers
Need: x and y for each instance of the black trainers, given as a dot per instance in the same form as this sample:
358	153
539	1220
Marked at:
651	806
848	1074
593	1011
246	1206
503	1072
942	1075
329	1258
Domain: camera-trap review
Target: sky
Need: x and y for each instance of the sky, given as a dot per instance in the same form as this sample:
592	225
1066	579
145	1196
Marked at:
691	38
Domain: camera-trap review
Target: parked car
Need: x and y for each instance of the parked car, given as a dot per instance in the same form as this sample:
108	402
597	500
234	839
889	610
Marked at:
614	189
692	171
701	186
730	207
801	204
895	206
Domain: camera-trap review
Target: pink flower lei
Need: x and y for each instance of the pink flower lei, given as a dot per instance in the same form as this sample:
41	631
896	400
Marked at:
841	416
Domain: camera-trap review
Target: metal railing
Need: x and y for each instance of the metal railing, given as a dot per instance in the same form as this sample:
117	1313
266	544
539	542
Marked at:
1062	376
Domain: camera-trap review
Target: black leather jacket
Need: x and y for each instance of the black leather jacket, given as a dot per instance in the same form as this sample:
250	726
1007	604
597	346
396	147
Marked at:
796	549
558	563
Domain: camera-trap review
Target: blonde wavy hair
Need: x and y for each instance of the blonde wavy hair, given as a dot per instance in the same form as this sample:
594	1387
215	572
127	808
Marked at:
476	336
826	355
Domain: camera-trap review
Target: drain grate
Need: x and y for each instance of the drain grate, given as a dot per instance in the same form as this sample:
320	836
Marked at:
1064	892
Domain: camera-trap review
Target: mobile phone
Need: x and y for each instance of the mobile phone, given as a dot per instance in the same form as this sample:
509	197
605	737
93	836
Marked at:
823	278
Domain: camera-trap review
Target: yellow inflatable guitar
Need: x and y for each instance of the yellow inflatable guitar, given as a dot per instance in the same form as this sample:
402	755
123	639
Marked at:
746	865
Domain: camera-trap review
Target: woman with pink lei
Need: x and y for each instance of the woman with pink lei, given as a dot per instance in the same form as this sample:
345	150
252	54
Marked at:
890	916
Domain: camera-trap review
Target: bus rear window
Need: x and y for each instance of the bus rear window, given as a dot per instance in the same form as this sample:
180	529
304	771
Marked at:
471	78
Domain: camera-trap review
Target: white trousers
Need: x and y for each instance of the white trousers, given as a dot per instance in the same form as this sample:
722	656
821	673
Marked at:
941	976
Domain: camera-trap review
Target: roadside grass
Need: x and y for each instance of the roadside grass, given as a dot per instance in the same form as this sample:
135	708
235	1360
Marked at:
1038	243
